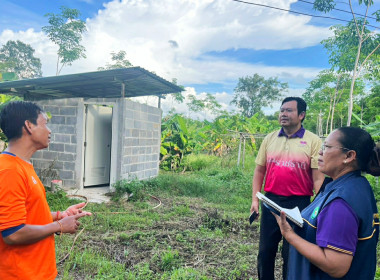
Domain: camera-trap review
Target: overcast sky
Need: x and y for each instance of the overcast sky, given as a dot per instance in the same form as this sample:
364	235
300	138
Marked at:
205	44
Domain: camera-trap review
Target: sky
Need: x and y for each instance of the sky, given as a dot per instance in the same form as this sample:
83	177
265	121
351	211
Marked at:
206	45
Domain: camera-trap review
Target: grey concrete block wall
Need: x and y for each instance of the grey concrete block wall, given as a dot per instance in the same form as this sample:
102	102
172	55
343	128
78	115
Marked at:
141	141
57	161
137	149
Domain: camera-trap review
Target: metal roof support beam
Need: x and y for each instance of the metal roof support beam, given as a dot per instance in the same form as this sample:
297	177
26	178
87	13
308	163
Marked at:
122	89
122	86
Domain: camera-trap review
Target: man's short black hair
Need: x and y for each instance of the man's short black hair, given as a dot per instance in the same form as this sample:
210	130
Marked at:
301	104
13	117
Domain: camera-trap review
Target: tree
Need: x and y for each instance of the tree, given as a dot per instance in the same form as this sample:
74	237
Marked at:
253	93
18	57
353	47
208	103
8	76
178	96
326	97
4	66
180	136
371	104
119	60
65	30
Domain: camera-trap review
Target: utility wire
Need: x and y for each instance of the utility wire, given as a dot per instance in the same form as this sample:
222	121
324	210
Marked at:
295	12
340	10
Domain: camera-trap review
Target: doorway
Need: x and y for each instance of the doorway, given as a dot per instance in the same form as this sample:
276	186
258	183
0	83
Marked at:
97	145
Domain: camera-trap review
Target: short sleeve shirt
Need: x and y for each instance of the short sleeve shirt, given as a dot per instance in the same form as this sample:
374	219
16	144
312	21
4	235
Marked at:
289	163
23	201
338	227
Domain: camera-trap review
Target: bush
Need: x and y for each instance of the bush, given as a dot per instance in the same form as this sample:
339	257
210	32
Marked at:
134	187
198	162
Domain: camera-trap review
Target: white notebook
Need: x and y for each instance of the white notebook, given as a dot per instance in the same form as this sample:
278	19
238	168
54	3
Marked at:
292	214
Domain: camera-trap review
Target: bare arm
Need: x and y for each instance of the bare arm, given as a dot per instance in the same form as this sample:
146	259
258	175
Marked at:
30	234
257	183
334	263
318	178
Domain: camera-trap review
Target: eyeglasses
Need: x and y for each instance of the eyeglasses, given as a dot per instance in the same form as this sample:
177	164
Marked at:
324	146
288	110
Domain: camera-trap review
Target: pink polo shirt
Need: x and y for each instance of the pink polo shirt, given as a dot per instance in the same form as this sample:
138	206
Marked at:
289	162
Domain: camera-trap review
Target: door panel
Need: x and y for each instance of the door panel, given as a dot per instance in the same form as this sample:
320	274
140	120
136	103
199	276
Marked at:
98	136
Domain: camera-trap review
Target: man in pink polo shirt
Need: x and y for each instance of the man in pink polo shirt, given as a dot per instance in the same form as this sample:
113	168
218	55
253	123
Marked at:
288	160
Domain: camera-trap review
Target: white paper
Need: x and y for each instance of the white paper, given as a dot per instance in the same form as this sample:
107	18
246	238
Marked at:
292	214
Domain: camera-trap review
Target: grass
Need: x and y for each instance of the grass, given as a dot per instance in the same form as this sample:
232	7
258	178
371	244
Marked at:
200	231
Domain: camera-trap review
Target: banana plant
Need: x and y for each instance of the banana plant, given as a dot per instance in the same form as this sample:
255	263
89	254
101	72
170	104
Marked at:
374	127
183	136
179	137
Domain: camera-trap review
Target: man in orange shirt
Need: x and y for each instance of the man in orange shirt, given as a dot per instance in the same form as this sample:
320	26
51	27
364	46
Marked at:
27	226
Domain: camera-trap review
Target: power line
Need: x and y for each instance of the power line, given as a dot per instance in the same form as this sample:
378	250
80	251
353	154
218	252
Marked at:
340	10
299	13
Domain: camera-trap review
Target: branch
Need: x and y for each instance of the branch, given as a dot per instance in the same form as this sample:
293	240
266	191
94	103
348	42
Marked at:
365	39
56	70
356	23
365	18
368	56
63	64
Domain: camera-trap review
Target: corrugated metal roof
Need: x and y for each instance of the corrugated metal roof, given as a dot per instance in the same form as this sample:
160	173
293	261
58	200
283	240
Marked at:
99	84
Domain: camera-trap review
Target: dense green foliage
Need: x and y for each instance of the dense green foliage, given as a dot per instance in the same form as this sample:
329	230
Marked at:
252	93
353	48
343	46
183	136
327	97
18	57
203	104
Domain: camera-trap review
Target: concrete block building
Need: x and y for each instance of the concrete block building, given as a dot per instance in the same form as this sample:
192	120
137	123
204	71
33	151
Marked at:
99	136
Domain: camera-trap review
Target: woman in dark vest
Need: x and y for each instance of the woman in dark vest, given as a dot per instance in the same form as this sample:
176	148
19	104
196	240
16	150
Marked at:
341	226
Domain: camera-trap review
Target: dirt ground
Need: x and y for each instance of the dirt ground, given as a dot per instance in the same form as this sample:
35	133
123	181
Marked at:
206	253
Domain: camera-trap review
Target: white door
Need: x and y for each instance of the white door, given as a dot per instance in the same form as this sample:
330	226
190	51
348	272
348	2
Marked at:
97	145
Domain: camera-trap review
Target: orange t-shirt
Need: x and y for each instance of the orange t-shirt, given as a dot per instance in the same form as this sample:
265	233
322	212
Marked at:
23	201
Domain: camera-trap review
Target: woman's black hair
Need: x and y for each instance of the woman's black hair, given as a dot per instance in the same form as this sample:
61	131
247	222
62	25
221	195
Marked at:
360	141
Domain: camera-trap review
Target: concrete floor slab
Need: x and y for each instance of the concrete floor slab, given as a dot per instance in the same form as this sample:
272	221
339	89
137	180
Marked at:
95	194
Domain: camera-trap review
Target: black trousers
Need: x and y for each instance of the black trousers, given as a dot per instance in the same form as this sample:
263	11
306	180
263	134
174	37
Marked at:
270	236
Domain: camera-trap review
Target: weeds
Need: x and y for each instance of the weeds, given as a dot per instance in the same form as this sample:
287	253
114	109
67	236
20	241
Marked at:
186	238
194	162
169	260
132	188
